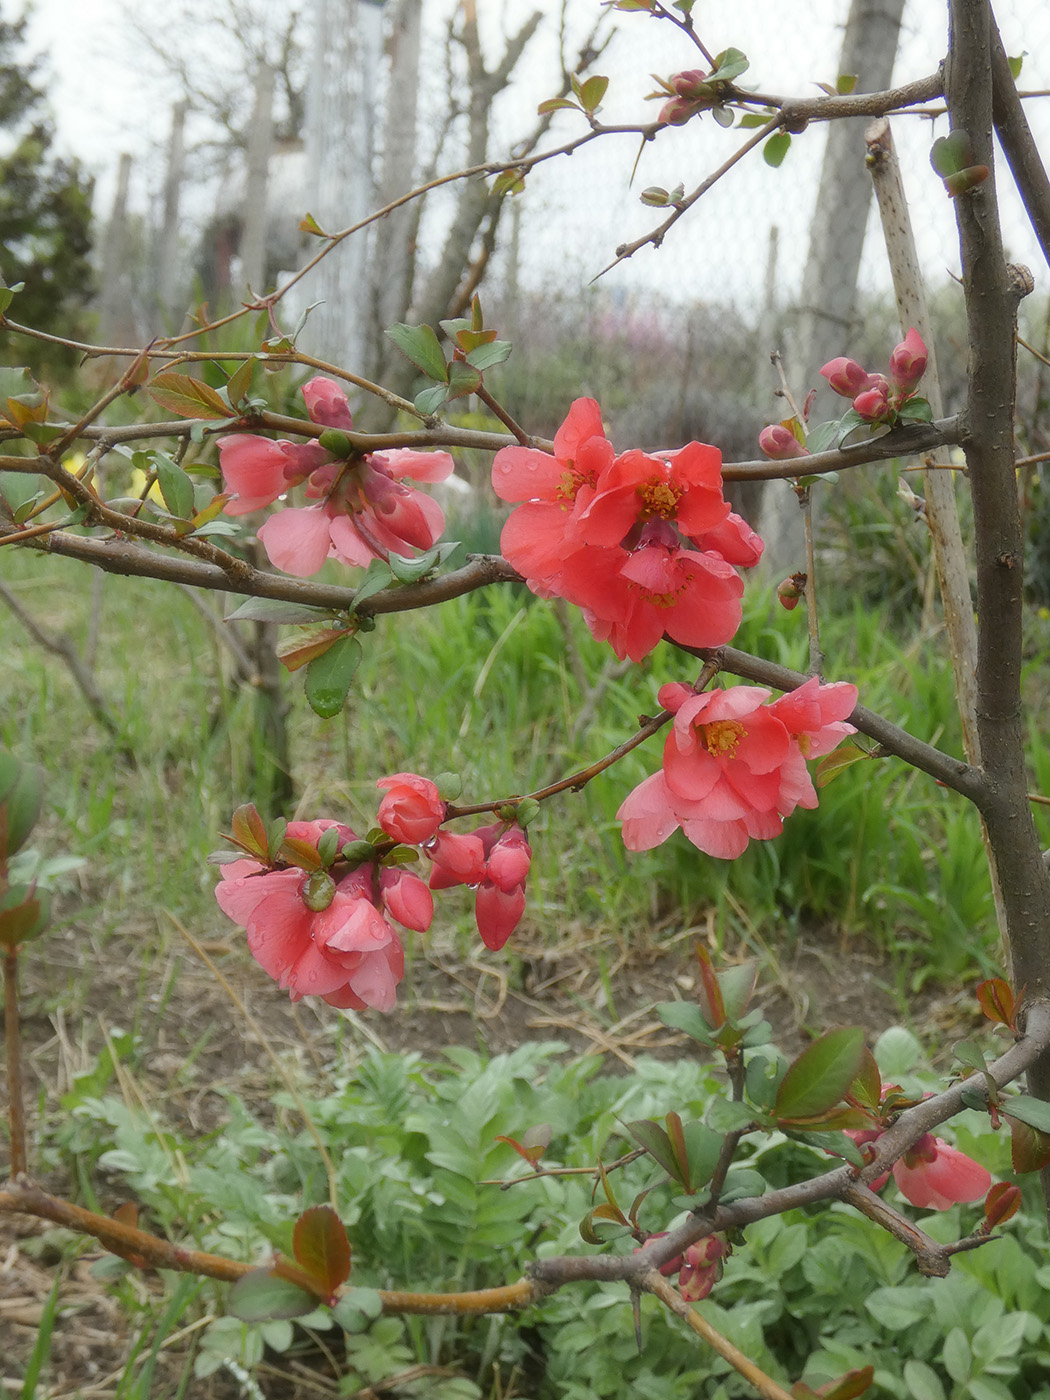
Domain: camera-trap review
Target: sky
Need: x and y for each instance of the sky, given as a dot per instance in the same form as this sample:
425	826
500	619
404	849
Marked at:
576	210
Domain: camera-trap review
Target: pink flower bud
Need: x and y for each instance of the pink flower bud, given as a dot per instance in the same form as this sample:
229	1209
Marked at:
788	594
873	404
677	111
412	810
780	443
686	83
497	913
458	860
908	361
846	377
509	862
326	403
407	898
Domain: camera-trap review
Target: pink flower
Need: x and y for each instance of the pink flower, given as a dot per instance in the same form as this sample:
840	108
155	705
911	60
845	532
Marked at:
321	934
412	809
932	1174
495	860
733	766
908	362
364	510
846	376
780	443
935	1175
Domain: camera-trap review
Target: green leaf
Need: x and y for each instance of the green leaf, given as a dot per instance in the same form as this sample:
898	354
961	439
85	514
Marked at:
592	92
310	225
845	83
867	1086
21	795
462	379
1034	1112
411	570
657	1143
823	436
328	677
319	1240
421	345
952	153
655	196
1029	1148
728	1115
357	1308
922	1381
723	116
556	104
1016	64
737	984
970	1054
428	401
508	182
832	764
776	148
260	1297
896	1052
685	1016
175	486
275	610
485	356
378	576
240	381
821	1075
189	398
728	65
915	410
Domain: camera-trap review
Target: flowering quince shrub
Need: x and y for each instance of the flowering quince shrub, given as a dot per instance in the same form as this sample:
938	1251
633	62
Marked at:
646	546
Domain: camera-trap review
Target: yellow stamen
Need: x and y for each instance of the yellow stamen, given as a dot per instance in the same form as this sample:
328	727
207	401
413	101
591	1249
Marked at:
721	736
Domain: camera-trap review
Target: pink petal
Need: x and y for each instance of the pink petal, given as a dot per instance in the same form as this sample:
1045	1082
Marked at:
297	540
254	468
498	913
583	421
526	474
648	815
279	931
420	466
239	895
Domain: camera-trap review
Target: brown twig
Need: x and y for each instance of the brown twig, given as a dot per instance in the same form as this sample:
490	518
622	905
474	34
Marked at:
16	1116
655	1283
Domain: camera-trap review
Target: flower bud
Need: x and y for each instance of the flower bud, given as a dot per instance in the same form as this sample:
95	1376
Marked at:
780	443
873	405
677	111
318	891
332	440
788	594
908	361
846	377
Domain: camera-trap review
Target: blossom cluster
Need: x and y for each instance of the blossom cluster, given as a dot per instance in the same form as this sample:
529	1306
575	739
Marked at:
698	1268
735	766
643	544
876	398
363	509
318	919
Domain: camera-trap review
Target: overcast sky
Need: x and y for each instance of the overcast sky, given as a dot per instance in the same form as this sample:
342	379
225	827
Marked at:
578	210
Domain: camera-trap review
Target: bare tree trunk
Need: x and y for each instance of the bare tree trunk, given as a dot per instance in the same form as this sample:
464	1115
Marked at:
260	146
114	306
340	146
168	242
393	256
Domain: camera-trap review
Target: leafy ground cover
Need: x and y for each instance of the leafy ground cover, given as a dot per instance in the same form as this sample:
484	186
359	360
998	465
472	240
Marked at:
165	1088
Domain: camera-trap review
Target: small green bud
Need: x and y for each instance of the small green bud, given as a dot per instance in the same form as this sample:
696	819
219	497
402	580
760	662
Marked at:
358	852
332	440
328	845
528	810
318	891
449	786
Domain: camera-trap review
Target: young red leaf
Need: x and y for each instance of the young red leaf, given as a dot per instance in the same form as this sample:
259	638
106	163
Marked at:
710	997
298	651
534	1142
320	1245
249	831
1001	1202
821	1075
657	1143
847	1387
996	999
1029	1148
189	398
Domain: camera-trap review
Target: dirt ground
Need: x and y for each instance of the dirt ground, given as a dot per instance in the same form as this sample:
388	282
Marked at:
489	1001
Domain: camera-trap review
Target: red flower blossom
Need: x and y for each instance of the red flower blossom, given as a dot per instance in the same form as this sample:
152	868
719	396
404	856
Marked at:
412	809
321	936
931	1174
734	766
